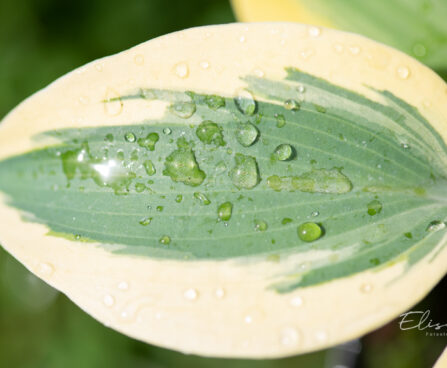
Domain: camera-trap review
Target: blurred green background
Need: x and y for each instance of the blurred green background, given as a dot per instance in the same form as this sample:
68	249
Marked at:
39	327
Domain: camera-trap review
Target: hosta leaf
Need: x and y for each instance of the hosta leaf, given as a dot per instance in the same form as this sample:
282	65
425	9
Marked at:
417	27
213	205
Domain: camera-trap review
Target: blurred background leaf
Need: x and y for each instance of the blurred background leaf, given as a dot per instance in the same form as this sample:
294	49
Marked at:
39	327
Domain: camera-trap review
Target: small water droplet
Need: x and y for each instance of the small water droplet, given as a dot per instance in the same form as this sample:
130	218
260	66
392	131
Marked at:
149	141
245	102
355	50
219	293
246	134
140	187
224	211
292	105
183	110
181	70
314	31
214	102
149	167
289	336
245	173
191	294
338	48
315	213
374	207
260	225
130	137
436	226
248	319
307	53
45	269
178	198
242	39
123	285
366	288
167	131
283	152
296	301
310	231
210	133
138	60
108	300
202	198
259	73
165	240
280	120
403	72
159	208
321	335
145	221
204	64
405	145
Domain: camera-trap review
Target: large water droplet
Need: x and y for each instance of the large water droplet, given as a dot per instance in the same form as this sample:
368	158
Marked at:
374	207
310	231
245	102
224	211
183	110
181	165
245	172
202	198
210	133
246	134
283	152
292	105
149	142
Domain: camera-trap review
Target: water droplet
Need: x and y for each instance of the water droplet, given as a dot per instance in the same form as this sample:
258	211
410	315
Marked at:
280	120
248	319
408	235
167	131
289	336
149	142
310	231
403	72
183	110
405	145
242	39
259	73
149	167
202	198
436	226
245	102
338	48
286	220
292	105
178	198
210	133
224	211
204	64
145	221
159	208
307	53
374	207
140	187
296	301
366	288
419	50
214	102
181	70
181	165
123	285
283	152
260	225
245	172
45	269
219	293
138	60
321	335
246	134
130	137
191	294
315	213
108	300
355	50
165	240
314	31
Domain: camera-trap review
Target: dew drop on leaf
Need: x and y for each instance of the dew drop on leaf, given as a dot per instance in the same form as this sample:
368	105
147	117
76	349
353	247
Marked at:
374	207
436	226
130	137
310	231
214	102
292	105
246	134
244	174
183	110
145	221
261	225
149	142
245	102
167	131
191	294
165	240
280	120
283	152
210	133
178	198
149	167
224	211
202	198
140	187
